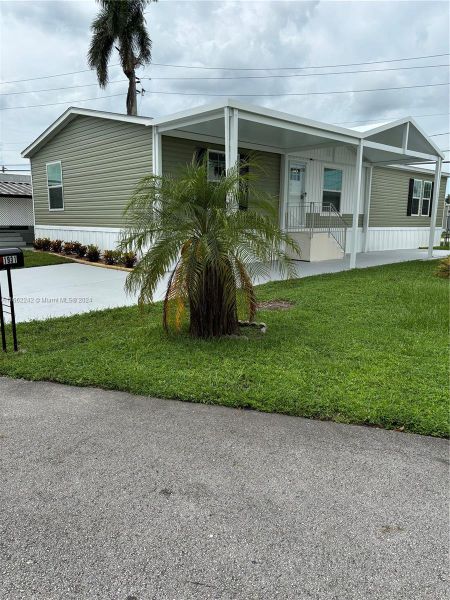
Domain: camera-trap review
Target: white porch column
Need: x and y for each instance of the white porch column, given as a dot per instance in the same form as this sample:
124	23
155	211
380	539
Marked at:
366	215
284	190
356	203
231	137
435	202
157	152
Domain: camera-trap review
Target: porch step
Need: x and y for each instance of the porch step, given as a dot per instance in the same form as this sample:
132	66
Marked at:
12	244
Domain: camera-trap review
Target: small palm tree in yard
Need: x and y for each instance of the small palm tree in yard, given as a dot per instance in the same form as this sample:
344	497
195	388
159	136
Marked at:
120	24
191	227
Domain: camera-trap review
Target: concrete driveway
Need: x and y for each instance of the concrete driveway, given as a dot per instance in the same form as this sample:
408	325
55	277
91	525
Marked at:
67	289
111	496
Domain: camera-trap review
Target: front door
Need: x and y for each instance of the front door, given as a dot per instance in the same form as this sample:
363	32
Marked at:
295	209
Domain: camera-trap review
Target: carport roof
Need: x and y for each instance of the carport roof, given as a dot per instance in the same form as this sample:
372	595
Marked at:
394	142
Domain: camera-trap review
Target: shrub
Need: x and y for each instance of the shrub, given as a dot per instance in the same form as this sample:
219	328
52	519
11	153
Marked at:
81	251
56	245
443	269
92	253
68	248
42	244
128	259
111	257
75	247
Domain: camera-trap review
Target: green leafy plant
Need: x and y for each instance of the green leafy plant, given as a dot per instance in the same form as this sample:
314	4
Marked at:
56	245
443	269
111	257
81	251
93	253
128	259
193	228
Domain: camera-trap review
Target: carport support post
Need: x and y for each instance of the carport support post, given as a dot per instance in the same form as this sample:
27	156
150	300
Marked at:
434	206
157	152
366	215
231	138
356	204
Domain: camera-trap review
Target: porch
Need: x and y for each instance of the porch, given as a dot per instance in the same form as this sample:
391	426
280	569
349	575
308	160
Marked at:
328	221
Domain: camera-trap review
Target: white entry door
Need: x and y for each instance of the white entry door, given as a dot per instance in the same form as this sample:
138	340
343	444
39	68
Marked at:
295	209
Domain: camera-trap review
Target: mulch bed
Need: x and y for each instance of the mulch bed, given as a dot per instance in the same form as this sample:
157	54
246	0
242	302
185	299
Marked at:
275	305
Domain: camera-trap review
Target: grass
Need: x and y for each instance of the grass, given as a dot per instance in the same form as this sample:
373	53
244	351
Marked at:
365	346
42	259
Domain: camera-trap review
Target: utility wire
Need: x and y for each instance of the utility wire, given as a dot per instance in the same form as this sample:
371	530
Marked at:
406	87
58	103
155	64
391	117
71	87
163	92
373	62
436	134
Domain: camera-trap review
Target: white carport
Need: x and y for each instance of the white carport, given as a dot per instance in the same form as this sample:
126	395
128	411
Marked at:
235	124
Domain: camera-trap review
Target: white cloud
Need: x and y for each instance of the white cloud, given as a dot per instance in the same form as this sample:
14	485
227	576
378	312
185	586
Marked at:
39	38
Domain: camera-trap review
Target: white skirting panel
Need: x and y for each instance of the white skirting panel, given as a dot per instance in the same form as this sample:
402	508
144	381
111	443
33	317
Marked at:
106	238
348	240
399	238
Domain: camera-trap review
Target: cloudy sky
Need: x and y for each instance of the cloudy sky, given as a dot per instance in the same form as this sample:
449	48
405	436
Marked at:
51	38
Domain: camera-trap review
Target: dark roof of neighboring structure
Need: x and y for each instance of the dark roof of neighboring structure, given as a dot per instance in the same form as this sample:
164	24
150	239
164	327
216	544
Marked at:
15	188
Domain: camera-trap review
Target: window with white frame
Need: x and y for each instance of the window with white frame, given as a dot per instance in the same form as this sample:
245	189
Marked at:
332	189
216	165
420	197
426	197
55	186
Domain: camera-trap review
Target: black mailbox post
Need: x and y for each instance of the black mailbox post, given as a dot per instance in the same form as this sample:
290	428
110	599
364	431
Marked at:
10	258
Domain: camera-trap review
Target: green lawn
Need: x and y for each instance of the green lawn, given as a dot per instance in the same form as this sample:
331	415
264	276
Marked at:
42	259
366	346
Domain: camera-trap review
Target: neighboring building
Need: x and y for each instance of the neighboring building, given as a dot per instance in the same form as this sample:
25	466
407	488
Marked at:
16	210
87	163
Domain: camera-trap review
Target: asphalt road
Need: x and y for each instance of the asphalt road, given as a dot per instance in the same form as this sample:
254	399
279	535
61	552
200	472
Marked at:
111	496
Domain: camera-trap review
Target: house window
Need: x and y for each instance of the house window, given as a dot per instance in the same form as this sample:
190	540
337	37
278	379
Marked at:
426	197
420	198
216	165
55	186
332	189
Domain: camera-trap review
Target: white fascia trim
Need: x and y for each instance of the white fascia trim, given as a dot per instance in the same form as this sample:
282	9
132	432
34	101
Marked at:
69	115
410	154
254	113
406	120
79	228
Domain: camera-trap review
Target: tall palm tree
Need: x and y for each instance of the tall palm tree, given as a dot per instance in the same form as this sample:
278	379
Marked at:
120	24
191	227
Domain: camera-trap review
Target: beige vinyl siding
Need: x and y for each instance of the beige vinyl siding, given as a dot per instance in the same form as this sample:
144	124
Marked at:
177	152
389	199
102	161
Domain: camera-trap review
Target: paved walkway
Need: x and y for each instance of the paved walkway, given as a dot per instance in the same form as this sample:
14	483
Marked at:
106	495
66	289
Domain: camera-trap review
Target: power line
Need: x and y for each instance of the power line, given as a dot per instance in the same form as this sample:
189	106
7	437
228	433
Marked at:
292	74
373	62
296	68
71	87
163	92
58	103
436	134
406	87
391	117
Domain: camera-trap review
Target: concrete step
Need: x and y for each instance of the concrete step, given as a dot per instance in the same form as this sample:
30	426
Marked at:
16	244
10	238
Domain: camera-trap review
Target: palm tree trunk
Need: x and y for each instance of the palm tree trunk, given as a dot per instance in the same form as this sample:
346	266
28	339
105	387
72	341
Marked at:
131	95
214	313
